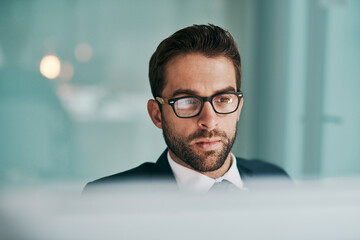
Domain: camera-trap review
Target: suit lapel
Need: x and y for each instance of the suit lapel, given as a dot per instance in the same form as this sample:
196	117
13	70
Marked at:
245	172
162	167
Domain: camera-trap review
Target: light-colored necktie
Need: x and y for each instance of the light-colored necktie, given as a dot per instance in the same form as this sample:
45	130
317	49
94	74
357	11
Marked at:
223	186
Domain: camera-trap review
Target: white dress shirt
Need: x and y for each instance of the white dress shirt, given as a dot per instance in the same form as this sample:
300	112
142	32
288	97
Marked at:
189	180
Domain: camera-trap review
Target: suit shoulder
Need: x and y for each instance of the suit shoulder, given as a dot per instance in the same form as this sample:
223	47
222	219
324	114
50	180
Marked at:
144	170
140	172
258	167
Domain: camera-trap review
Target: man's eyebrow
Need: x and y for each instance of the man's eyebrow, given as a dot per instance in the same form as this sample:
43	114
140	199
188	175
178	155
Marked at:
228	89
184	92
195	93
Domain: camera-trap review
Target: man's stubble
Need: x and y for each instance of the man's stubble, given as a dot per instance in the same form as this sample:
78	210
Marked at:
203	162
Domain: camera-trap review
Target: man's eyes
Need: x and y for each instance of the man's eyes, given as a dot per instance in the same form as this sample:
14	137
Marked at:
223	99
217	99
190	100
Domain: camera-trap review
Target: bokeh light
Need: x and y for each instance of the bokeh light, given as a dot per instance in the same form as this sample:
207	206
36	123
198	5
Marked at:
50	66
83	52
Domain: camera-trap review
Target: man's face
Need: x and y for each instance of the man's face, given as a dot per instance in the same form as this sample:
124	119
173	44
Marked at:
202	142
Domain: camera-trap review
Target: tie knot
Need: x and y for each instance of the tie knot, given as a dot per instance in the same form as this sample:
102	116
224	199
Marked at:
223	186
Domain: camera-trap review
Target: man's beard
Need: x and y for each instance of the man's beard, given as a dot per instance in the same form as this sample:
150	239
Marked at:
205	161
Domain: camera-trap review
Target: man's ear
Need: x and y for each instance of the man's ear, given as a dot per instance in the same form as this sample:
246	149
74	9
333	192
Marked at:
154	112
240	107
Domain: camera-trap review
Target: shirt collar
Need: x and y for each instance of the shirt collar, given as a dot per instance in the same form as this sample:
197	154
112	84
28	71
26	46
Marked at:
189	180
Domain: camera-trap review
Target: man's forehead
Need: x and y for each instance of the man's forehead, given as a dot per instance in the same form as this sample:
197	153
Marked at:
196	74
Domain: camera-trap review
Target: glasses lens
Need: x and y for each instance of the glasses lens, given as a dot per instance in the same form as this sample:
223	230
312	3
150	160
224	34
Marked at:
225	103
187	107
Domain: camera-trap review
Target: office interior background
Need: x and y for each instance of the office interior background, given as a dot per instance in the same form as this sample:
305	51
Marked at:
81	114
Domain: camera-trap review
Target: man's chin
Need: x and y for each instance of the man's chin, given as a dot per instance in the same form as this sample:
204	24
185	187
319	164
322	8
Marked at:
209	160
209	168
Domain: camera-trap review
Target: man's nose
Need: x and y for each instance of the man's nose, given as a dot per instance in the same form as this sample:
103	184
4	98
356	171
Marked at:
207	118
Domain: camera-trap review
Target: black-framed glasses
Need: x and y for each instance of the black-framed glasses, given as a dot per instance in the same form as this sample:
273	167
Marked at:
191	106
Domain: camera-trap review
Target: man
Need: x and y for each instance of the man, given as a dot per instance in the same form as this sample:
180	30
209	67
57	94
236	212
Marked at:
195	78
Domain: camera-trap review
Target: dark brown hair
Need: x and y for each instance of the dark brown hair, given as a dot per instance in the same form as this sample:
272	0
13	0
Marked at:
209	40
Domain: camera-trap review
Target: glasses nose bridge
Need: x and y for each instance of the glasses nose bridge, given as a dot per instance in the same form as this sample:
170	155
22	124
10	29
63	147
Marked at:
207	99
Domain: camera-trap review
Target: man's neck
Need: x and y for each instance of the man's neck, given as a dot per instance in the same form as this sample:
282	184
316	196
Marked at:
212	174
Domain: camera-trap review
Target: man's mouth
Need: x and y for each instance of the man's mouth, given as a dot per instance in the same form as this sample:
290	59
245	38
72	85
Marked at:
208	144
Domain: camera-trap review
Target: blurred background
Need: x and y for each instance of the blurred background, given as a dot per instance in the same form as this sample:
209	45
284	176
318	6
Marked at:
74	85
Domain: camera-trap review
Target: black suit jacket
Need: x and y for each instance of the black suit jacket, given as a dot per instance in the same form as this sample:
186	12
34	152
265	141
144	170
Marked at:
161	170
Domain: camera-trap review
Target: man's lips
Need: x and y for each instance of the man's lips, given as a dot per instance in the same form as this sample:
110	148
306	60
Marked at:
208	144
